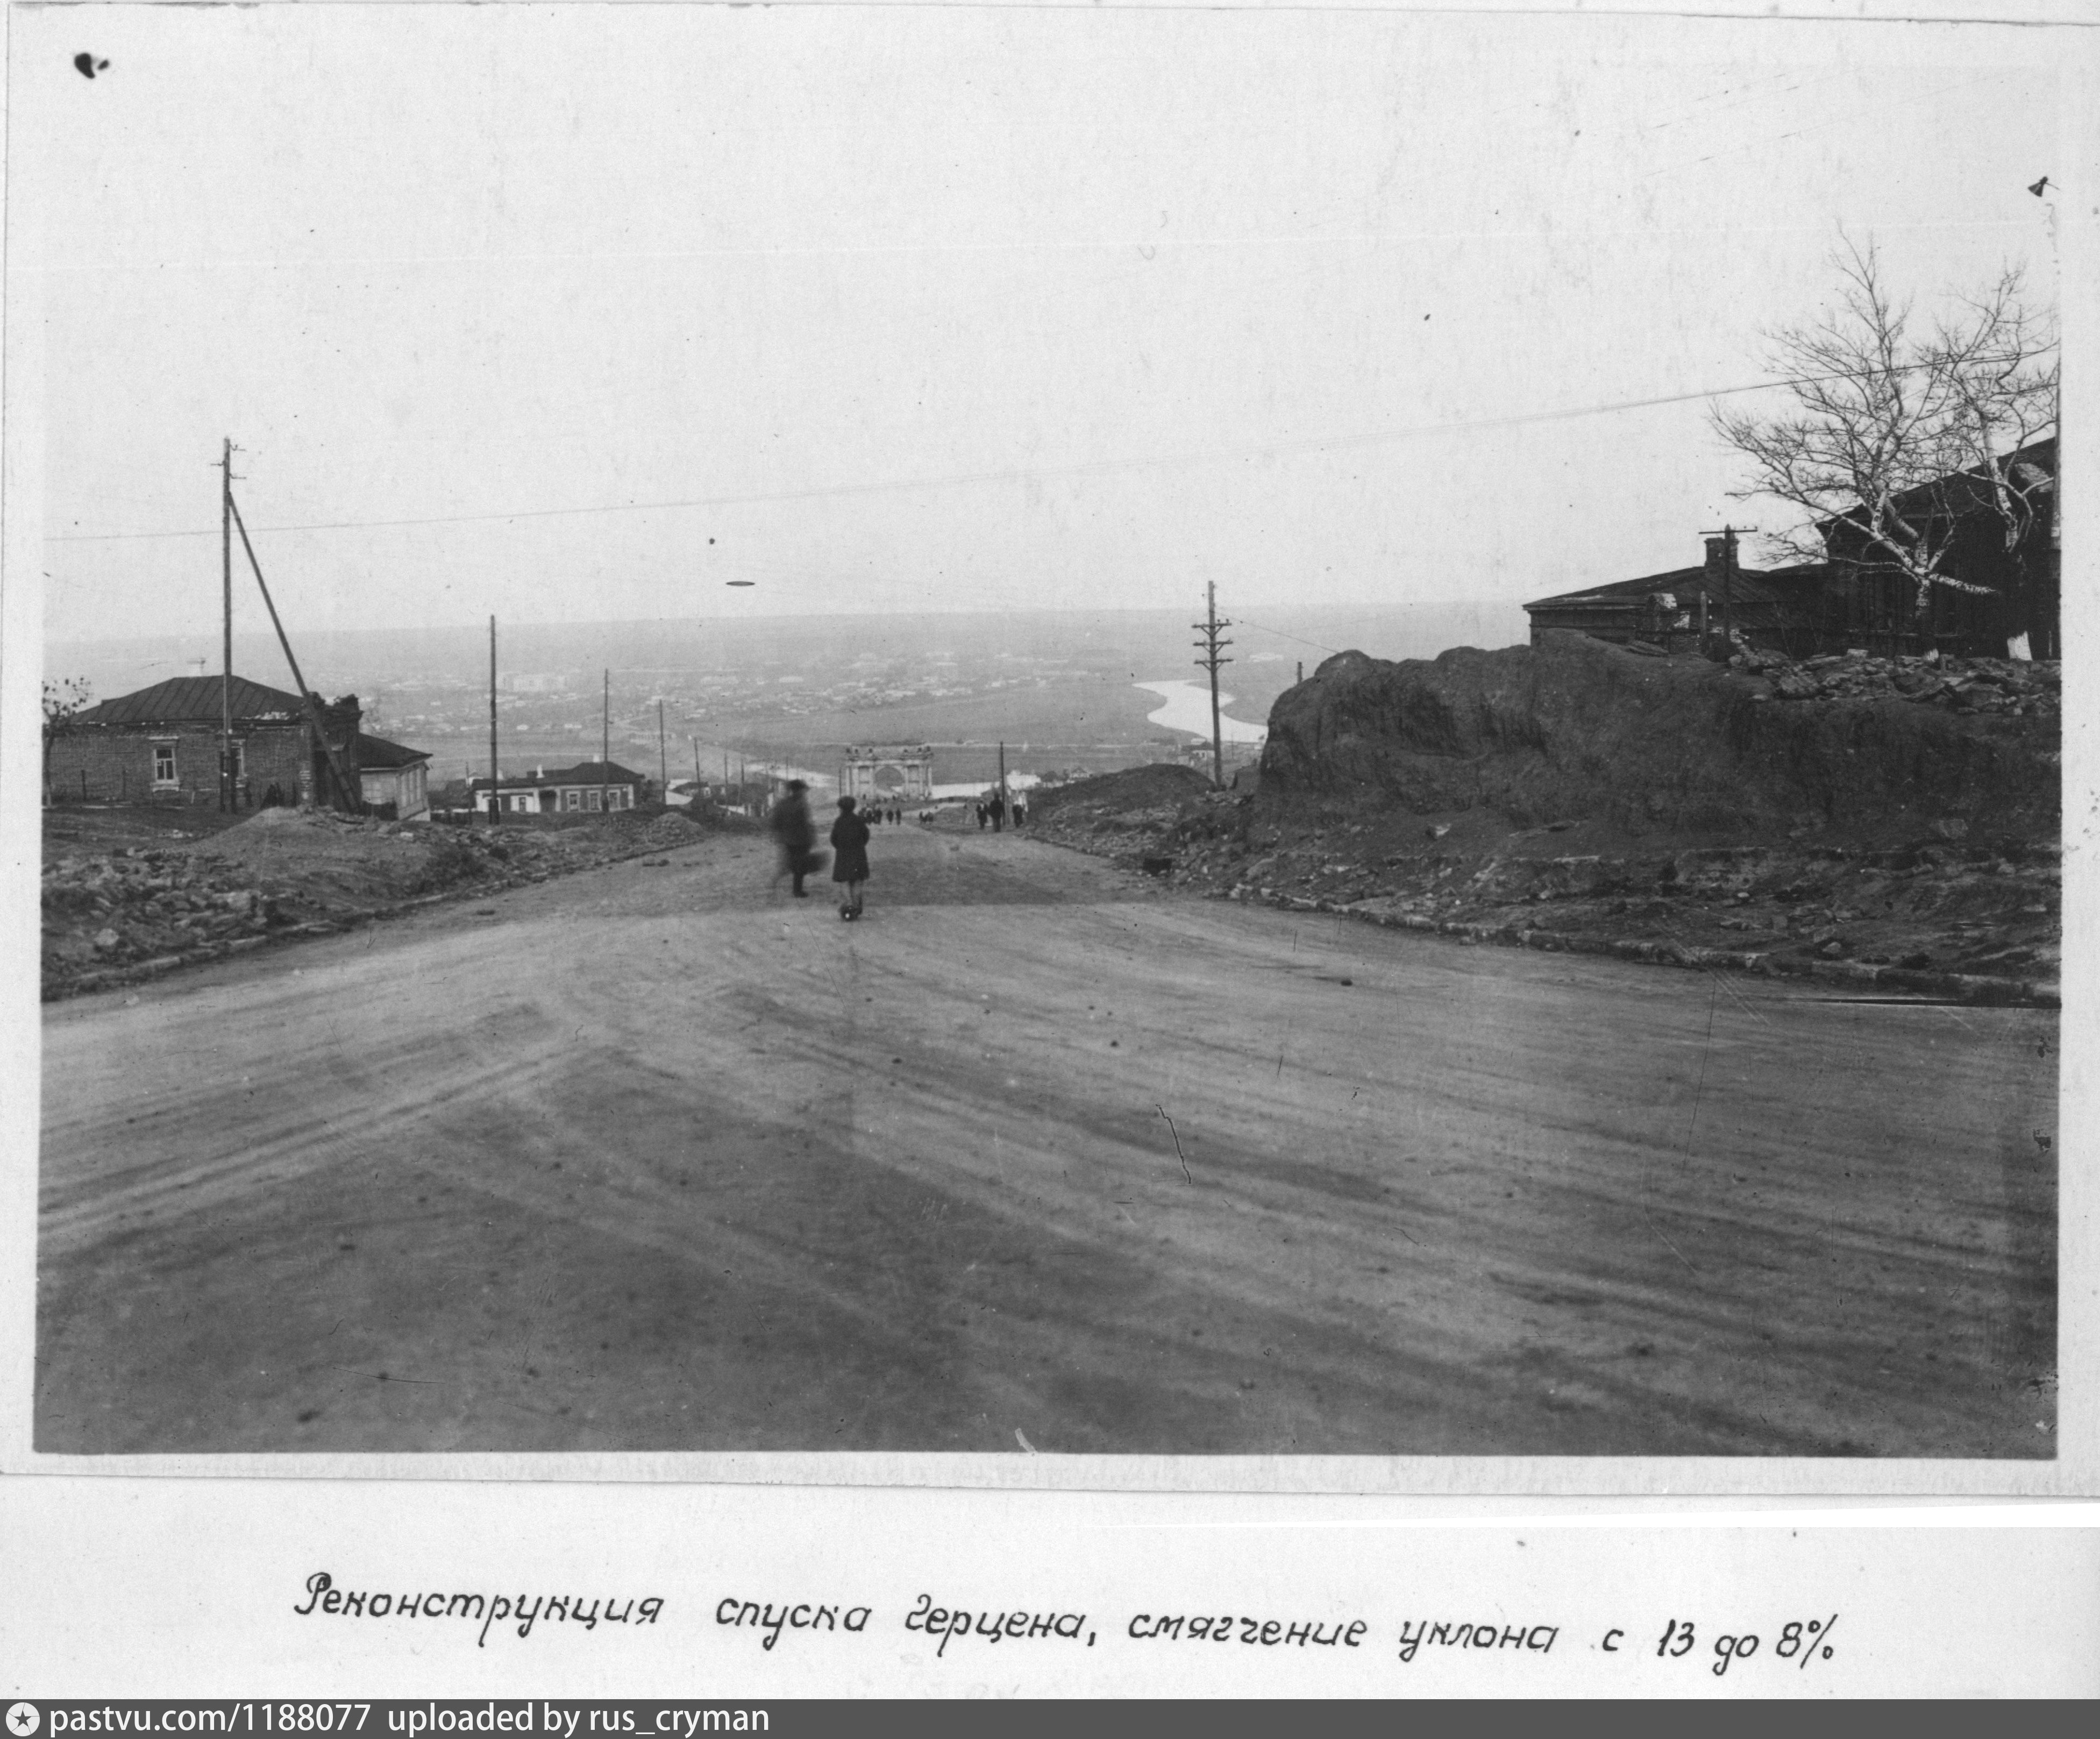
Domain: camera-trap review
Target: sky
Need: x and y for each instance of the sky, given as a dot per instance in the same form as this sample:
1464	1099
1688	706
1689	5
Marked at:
906	309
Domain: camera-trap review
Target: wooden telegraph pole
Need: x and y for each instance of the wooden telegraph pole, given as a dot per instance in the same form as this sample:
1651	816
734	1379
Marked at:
662	765
1210	646
494	791
226	792
604	751
345	771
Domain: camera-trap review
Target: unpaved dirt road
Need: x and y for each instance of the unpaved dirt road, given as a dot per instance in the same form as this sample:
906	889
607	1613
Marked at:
643	1160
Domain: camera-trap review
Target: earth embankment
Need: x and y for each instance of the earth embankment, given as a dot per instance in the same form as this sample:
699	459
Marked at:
1877	820
1574	728
132	891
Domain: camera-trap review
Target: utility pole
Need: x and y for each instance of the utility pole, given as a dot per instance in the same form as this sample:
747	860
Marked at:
1209	647
1002	773
495	794
226	792
345	772
662	765
605	751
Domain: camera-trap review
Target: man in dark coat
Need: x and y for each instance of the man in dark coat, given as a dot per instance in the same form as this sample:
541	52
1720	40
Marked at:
850	836
796	833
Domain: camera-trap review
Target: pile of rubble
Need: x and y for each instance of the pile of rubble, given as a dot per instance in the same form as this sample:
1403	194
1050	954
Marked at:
136	905
1963	685
133	910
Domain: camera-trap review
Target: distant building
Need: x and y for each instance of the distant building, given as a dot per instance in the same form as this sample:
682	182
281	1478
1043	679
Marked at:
1674	608
2000	591
587	788
161	744
394	781
903	773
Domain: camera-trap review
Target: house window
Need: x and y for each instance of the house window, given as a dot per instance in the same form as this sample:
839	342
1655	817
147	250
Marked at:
591	799
164	763
572	798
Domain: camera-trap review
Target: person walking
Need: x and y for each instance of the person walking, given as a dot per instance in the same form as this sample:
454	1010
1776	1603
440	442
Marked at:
998	808
796	833
850	837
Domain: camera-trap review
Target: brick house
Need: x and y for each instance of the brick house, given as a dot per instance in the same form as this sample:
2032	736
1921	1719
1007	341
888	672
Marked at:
585	788
161	744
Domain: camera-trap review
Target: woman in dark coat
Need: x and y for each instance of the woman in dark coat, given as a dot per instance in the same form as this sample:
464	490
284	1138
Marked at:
850	836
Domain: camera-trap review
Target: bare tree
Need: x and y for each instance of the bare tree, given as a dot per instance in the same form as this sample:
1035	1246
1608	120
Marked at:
64	701
1898	437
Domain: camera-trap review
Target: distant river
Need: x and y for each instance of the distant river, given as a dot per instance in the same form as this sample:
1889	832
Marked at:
1188	709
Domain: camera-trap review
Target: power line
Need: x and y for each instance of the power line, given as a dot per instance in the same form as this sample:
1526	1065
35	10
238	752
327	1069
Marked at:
1317	444
1317	646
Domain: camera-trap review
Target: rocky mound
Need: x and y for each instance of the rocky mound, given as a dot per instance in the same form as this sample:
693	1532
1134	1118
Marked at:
1875	821
1575	728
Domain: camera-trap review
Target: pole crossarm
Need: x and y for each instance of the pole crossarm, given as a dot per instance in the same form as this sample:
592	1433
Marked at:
1210	645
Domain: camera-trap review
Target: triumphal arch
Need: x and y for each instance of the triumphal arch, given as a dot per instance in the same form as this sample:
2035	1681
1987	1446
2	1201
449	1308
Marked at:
892	772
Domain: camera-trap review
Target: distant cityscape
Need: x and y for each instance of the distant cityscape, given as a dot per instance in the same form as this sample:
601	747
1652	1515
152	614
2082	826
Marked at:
1063	692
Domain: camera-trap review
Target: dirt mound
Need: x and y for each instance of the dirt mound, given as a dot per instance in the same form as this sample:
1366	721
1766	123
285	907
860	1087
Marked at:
274	838
1882	820
1165	785
1121	815
1576	729
123	908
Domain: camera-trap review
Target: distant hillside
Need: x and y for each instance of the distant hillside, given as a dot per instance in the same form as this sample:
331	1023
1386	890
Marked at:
1139	644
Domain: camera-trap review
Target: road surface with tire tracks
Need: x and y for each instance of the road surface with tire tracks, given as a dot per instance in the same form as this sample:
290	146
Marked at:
1039	1153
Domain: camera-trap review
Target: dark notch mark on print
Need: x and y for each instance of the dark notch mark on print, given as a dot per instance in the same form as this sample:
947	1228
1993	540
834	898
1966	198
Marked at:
87	66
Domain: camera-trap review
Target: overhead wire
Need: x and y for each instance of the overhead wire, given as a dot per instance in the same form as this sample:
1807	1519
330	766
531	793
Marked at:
1096	467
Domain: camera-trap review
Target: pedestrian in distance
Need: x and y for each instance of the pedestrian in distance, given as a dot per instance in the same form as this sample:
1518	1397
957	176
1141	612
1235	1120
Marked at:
797	834
983	816
850	837
998	808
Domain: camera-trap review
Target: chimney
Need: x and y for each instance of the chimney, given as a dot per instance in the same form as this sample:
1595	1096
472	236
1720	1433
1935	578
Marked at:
1717	561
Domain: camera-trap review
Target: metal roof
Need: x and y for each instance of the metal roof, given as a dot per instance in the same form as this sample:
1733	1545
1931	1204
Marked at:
377	753
583	772
195	699
1750	589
